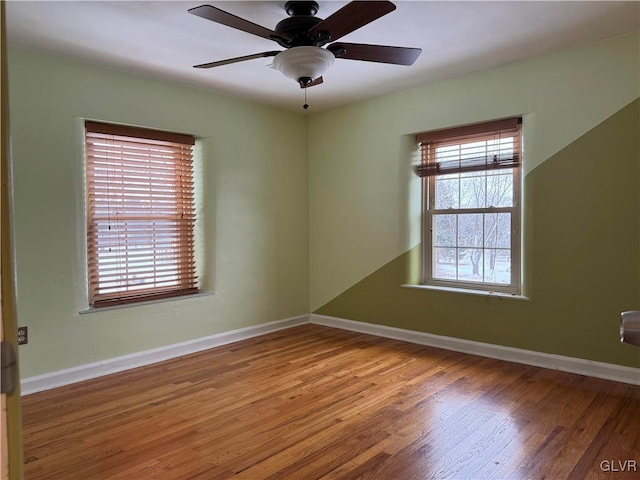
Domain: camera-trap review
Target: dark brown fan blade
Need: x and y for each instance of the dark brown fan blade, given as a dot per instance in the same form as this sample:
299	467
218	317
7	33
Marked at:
224	18
237	59
317	81
375	53
349	18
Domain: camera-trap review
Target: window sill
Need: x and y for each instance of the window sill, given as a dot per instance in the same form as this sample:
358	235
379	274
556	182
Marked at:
91	310
467	291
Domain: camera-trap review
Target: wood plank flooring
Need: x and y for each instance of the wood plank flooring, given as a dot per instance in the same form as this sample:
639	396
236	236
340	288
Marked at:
318	403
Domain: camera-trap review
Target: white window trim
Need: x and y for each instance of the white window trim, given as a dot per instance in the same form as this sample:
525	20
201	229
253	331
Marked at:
428	200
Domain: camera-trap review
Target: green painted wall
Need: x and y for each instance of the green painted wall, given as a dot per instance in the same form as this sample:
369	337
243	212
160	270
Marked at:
254	233
298	210
364	199
581	231
584	254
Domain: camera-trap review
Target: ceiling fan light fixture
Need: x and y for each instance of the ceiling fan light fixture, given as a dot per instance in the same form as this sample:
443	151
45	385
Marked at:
303	64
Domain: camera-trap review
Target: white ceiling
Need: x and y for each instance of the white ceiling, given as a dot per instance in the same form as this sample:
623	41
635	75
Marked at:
162	39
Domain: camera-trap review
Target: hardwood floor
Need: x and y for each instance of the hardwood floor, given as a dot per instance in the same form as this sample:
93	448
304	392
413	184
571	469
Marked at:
318	403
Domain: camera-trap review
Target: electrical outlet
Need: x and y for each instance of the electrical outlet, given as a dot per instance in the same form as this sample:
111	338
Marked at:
23	335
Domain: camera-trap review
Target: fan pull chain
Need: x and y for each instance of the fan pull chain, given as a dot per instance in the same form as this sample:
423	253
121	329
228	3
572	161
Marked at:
306	105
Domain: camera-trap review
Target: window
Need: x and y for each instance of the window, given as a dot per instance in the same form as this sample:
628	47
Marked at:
471	206
140	214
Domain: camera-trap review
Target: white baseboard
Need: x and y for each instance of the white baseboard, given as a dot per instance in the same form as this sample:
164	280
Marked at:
118	364
580	366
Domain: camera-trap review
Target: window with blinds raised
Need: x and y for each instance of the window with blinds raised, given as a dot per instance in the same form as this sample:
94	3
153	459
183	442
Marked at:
471	198
140	214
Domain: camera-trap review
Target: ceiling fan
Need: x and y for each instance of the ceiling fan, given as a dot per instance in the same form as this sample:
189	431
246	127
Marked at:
303	35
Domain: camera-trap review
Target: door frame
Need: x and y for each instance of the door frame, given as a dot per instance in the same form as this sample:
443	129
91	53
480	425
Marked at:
11	419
